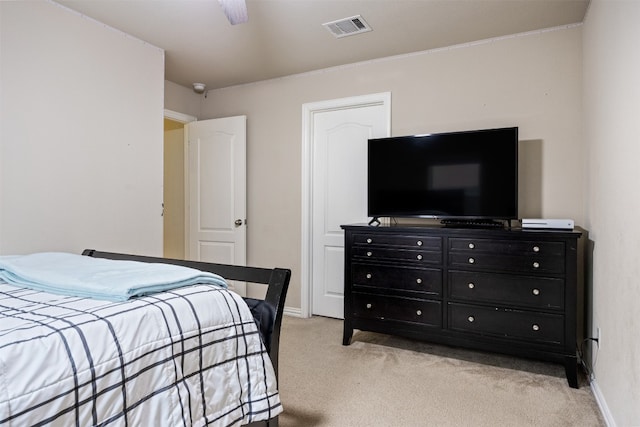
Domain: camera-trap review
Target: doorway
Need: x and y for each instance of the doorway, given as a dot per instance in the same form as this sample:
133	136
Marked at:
205	190
173	211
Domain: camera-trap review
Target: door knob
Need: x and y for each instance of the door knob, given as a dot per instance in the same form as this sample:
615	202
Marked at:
238	222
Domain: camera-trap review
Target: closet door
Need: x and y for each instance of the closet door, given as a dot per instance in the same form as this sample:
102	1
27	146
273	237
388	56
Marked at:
338	132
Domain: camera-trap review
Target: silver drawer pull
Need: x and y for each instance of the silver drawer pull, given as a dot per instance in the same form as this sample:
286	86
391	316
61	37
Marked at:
535	327
368	275
471	285
536	265
369	240
471	246
471	319
536	249
471	260
419	257
368	305
369	253
419	242
418	280
419	312
536	291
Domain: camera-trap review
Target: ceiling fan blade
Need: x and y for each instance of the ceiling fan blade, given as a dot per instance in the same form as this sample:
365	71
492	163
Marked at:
236	11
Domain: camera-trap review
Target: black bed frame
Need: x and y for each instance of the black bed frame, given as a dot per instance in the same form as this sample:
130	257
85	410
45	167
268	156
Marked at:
277	280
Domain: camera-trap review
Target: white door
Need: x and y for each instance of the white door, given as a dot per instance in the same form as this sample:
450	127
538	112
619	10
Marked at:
216	192
338	134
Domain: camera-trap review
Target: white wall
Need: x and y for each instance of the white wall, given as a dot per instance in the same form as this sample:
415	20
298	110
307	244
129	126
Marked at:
81	134
612	134
181	99
533	81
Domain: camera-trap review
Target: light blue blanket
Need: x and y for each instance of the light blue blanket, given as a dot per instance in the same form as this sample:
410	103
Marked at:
83	276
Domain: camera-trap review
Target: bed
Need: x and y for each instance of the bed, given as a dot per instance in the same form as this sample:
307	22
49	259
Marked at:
193	355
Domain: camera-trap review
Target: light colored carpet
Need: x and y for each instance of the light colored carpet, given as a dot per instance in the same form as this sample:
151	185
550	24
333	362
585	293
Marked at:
380	380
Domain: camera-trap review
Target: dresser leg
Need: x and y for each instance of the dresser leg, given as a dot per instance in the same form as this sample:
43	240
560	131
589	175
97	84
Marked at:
571	370
348	333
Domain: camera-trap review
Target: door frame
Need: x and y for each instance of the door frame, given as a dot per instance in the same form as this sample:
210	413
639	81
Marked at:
179	117
308	112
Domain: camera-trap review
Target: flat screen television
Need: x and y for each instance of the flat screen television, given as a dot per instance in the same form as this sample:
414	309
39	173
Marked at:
466	176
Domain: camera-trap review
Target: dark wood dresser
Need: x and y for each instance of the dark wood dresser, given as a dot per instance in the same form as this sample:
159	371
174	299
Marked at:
507	291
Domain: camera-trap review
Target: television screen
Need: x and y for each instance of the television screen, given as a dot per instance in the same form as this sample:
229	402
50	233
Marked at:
456	175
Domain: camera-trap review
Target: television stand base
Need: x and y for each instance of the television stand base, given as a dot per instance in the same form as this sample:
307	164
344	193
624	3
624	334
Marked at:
472	223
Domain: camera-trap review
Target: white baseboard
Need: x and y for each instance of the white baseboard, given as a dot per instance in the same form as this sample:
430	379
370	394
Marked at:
602	404
292	311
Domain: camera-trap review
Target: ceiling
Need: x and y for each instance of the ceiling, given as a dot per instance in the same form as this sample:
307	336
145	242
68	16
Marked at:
284	37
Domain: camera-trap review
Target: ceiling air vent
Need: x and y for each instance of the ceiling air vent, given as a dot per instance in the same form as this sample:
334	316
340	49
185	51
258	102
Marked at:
348	26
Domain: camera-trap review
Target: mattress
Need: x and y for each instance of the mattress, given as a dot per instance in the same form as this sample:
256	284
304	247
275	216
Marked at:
190	356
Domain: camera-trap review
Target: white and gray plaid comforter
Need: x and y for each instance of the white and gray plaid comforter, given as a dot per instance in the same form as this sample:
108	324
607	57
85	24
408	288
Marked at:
191	356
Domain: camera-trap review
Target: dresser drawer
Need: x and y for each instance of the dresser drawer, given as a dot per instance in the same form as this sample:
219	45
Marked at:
524	264
426	280
513	247
389	254
535	292
383	307
415	242
529	326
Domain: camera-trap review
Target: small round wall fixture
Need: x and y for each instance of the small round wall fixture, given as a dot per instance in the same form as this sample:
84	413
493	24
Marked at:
199	87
